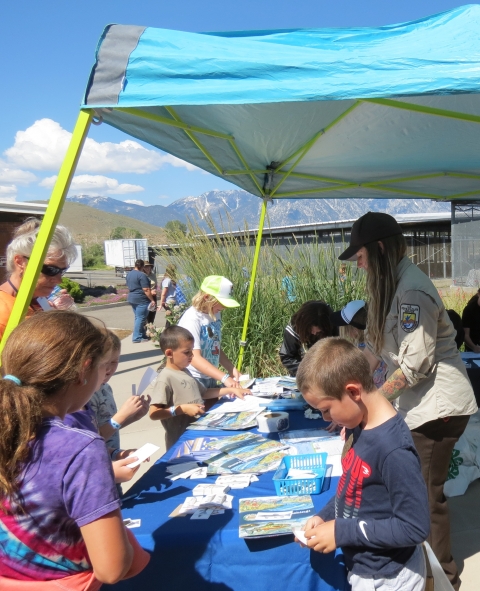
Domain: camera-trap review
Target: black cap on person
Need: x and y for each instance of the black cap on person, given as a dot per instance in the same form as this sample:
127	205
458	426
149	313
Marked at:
370	227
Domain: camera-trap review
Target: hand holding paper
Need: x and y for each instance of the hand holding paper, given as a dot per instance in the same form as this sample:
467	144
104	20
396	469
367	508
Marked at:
143	453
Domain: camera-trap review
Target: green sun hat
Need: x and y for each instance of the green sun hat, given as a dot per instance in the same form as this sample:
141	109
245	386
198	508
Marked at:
221	289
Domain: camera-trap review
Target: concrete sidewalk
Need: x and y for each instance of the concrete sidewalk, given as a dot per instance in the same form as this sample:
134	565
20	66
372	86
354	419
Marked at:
135	358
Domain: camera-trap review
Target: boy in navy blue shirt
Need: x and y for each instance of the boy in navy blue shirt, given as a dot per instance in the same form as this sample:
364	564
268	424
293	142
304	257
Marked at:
380	513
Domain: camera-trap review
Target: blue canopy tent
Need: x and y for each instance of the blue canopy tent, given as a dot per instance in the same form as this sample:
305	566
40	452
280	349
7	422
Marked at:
310	113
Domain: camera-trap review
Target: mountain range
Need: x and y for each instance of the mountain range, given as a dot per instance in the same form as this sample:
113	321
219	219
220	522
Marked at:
232	209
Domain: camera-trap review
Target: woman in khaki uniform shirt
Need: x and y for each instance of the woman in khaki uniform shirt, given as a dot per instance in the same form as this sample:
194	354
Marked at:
408	327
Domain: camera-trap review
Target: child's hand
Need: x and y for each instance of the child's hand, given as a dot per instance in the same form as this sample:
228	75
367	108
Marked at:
144	409
238	392
133	405
193	410
121	470
322	537
310	524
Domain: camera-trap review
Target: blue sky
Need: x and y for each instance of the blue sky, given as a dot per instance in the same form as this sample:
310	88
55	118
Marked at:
47	49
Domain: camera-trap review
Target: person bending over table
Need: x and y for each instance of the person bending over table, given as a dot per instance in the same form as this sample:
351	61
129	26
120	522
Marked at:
309	324
352	322
177	396
408	327
203	320
61	253
471	323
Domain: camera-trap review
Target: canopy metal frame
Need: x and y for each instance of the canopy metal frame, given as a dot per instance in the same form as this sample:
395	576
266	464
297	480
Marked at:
270	189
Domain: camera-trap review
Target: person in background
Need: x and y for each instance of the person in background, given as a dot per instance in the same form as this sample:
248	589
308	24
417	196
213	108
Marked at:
169	284
458	326
61	253
139	297
60	518
309	324
203	320
288	285
471	323
408	327
352	322
149	272
379	515
178	398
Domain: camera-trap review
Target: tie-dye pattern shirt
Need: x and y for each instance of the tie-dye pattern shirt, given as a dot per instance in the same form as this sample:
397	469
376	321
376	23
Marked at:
68	483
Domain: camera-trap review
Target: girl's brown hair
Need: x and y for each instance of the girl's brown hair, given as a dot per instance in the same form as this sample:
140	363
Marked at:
46	353
382	283
310	314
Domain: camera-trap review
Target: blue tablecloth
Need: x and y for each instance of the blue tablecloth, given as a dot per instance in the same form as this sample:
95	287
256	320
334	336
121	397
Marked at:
201	555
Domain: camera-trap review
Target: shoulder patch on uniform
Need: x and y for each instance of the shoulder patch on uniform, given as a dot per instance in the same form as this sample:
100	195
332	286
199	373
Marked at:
409	317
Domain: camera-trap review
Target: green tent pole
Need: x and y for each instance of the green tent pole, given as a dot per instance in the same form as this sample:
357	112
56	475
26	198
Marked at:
49	223
253	274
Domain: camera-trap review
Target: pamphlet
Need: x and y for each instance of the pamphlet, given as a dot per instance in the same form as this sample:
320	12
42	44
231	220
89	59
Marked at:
228	421
274	516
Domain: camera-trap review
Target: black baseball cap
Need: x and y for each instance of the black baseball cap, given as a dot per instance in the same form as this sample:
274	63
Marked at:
370	227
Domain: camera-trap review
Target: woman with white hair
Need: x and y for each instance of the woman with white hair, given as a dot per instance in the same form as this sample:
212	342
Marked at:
61	253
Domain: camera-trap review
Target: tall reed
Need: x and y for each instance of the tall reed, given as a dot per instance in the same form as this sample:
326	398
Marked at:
313	268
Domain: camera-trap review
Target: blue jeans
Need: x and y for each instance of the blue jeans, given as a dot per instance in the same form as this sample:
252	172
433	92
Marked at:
141	313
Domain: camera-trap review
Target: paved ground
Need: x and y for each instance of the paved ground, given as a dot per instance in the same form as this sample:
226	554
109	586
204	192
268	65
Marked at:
464	510
114	317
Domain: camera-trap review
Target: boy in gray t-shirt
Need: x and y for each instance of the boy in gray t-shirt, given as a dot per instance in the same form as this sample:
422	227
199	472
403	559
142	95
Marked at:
177	397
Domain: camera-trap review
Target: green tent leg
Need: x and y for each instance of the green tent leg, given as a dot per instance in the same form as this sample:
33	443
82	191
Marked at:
49	223
258	243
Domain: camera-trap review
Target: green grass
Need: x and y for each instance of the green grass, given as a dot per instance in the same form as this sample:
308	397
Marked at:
314	266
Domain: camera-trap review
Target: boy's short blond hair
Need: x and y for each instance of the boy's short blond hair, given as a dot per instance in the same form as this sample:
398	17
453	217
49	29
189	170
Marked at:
330	365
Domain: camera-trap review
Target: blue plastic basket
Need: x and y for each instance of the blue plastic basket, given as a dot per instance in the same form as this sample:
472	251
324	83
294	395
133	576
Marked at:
316	463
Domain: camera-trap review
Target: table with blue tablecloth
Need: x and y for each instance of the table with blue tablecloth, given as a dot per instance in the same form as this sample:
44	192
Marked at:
201	555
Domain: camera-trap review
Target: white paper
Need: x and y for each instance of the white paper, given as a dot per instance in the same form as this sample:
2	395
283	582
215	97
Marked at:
249	403
132	523
143	453
300	535
202	490
273	515
336	463
186	474
199	473
202	514
147	378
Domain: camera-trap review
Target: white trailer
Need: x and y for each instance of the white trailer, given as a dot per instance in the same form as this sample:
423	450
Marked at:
123	253
77	265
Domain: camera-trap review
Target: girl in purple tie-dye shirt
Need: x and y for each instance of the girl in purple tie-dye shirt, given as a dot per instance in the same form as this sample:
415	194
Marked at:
59	508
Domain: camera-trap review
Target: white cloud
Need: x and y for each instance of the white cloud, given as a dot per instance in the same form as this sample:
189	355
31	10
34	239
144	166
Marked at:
163	197
9	174
43	145
8	192
95	185
135	202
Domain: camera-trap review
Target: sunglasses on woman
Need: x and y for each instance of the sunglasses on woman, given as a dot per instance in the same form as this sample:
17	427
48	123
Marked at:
52	270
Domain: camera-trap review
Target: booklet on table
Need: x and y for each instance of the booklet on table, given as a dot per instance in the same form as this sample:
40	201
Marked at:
274	516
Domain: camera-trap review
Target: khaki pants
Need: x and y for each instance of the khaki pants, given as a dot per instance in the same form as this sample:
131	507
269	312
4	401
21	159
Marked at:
434	442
